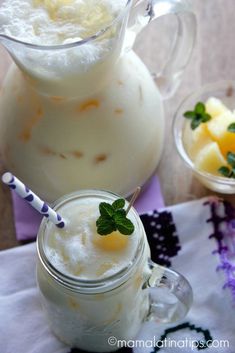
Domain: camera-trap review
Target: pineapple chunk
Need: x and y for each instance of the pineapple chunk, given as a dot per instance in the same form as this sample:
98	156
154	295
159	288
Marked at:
215	107
199	138
218	129
111	242
210	159
187	137
52	6
49	4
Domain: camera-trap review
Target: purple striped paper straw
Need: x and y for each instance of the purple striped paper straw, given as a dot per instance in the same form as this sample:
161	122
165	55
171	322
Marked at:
26	194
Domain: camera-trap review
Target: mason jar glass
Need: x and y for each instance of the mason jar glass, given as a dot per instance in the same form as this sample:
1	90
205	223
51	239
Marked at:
86	313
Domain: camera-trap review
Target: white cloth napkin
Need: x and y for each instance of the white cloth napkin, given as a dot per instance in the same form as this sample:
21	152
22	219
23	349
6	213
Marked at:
181	240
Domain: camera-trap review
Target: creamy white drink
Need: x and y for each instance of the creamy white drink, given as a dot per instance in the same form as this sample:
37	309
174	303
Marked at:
94	286
83	116
97	290
73	70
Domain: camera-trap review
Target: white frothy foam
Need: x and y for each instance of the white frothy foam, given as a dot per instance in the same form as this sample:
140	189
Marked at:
51	22
74	250
59	22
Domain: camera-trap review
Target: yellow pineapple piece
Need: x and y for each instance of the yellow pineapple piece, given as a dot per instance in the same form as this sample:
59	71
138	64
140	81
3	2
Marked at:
218	129
111	242
187	137
215	107
196	139
210	159
93	18
52	6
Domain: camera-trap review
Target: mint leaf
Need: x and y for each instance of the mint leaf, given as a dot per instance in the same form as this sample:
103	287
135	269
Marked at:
231	128
195	123
189	115
125	226
198	115
229	172
200	108
119	214
231	159
112	218
119	203
106	209
105	226
225	171
206	117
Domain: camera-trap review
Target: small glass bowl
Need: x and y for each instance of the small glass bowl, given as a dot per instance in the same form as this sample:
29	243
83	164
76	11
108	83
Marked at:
225	91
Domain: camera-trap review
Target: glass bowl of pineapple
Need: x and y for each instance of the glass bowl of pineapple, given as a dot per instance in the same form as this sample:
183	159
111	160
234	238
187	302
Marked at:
204	134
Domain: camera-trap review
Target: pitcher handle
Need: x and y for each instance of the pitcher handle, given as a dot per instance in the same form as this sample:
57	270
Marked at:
171	295
145	11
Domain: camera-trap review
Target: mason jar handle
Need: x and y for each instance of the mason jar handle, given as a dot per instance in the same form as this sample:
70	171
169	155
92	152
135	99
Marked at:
146	11
171	295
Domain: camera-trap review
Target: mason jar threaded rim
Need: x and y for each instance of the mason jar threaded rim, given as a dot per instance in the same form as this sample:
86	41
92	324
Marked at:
89	286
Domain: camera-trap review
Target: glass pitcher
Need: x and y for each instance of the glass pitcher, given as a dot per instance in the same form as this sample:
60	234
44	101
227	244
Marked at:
88	114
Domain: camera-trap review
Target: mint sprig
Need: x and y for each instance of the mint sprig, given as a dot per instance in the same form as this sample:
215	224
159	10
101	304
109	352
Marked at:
114	217
231	128
198	115
228	172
